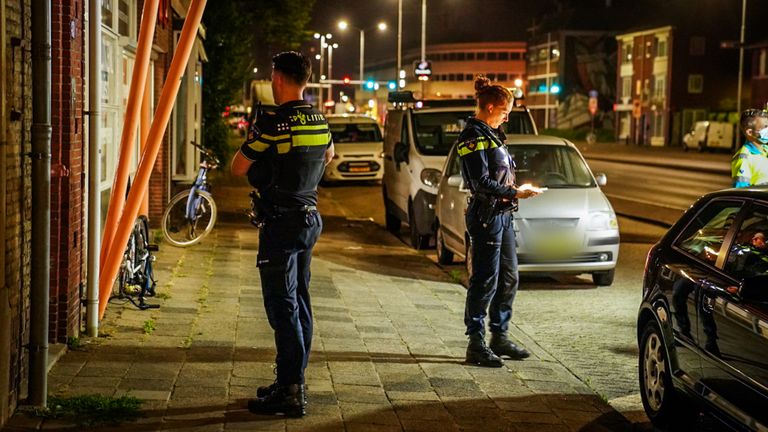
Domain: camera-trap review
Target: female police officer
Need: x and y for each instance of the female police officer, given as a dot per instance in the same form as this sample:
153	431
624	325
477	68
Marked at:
488	170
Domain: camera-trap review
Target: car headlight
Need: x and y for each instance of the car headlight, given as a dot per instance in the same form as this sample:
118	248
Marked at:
431	177
601	221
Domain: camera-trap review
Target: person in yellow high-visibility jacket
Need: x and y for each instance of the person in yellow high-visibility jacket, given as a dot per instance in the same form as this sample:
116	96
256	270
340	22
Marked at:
749	165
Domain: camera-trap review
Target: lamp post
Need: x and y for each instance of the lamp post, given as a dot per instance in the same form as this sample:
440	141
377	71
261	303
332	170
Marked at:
323	44
741	56
331	47
399	37
343	25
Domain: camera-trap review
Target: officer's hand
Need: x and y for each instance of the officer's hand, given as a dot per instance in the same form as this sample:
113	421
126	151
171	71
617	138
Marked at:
525	193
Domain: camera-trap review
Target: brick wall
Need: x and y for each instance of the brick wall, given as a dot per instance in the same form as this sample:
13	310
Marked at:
67	209
17	208
160	180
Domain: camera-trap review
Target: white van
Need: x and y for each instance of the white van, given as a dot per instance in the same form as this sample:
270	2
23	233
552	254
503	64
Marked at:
358	145
418	137
707	135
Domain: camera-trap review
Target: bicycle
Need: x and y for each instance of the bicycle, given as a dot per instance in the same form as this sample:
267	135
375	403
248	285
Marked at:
191	214
136	277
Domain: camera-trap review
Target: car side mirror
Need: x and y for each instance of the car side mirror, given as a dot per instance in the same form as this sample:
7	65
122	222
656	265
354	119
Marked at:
400	152
755	289
455	180
601	179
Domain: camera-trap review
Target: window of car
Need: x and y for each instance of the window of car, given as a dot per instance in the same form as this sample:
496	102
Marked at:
703	237
519	122
435	132
552	166
748	255
354	132
454	165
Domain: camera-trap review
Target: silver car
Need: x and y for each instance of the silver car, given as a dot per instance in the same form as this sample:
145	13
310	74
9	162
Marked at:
569	228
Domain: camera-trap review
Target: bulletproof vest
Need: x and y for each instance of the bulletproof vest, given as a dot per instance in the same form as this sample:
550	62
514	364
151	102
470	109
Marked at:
297	157
477	136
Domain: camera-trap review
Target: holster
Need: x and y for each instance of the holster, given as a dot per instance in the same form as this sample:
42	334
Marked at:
486	207
260	212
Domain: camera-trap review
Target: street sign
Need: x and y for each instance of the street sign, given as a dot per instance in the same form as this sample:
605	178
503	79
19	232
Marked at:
423	69
637	109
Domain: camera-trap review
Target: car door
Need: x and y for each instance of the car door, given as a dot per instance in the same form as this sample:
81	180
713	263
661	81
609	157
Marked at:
734	331
396	177
691	263
454	202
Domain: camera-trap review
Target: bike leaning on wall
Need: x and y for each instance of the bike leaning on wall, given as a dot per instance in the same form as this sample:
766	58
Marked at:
191	214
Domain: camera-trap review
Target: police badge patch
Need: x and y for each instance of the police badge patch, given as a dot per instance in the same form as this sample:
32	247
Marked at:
471	145
253	134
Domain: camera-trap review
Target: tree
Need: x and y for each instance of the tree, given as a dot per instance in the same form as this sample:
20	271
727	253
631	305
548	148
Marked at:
232	29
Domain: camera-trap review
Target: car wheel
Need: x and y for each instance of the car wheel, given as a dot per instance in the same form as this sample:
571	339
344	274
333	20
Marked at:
603	278
444	256
392	222
663	405
418	241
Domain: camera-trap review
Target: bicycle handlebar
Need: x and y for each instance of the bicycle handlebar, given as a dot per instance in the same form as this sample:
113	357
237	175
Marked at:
209	156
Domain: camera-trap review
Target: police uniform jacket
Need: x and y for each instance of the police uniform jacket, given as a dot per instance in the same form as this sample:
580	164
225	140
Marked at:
749	165
287	147
486	166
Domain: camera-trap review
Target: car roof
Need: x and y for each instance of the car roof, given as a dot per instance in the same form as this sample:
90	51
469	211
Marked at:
753	192
519	139
349	118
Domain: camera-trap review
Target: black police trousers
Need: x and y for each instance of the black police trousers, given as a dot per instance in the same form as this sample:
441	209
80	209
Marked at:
285	253
494	279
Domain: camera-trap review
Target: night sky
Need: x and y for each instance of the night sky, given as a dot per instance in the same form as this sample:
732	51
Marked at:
508	20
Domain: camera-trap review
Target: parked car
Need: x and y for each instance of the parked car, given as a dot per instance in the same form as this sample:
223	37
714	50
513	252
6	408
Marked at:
709	135
570	228
418	137
358	146
702	327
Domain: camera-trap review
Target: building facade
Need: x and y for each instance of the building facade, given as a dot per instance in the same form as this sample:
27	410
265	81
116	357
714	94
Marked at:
642	86
759	75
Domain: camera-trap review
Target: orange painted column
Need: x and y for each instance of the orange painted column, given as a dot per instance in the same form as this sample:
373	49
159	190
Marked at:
154	141
144	125
128	137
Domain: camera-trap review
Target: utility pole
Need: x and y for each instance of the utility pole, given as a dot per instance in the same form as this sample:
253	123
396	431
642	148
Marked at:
741	56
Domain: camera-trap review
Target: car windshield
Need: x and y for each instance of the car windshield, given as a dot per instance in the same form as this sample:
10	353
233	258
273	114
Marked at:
436	132
518	122
550	166
355	132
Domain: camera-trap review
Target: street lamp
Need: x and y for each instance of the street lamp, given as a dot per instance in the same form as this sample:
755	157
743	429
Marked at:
343	25
323	44
331	47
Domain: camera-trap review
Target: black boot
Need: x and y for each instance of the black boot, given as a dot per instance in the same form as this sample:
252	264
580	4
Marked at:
502	346
479	354
266	390
287	400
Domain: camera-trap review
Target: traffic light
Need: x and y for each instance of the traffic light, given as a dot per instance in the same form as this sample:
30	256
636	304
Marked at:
346	79
392	85
555	89
369	85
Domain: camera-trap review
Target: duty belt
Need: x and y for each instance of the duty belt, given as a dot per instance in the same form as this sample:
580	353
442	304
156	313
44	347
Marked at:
299	209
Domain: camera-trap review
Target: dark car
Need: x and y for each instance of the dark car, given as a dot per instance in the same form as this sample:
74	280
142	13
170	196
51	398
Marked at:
703	323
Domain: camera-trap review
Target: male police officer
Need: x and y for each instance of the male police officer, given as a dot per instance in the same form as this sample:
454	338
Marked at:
295	143
749	165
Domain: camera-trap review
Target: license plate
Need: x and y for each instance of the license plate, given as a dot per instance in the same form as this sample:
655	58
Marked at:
549	245
359	169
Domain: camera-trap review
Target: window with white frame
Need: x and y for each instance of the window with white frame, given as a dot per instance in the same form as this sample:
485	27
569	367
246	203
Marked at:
695	83
659	86
626	57
626	87
661	47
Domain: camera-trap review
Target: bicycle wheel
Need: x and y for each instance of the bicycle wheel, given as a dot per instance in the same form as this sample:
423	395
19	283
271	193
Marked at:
182	231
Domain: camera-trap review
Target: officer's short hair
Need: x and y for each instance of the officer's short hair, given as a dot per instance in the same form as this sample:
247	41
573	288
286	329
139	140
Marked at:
294	65
749	118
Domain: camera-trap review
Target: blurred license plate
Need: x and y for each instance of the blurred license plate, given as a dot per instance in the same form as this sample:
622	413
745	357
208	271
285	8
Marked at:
359	169
555	245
